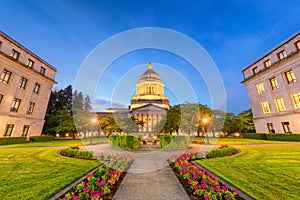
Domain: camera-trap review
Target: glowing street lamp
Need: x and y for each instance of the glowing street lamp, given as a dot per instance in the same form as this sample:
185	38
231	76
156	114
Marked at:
205	121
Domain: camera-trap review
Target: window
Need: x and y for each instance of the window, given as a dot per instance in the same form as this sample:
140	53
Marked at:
15	54
281	55
298	45
254	70
296	99
267	63
30	108
36	88
25	130
270	127
23	82
260	88
30	63
1	97
265	107
286	127
0	44
290	77
5	76
8	129
42	70
15	105
280	104
274	83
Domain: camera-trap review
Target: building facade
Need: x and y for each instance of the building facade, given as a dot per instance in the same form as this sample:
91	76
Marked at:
25	85
273	88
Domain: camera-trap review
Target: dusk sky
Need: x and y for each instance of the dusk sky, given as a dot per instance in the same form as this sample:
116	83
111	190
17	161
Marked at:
233	33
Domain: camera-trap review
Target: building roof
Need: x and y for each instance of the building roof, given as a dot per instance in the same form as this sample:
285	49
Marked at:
150	76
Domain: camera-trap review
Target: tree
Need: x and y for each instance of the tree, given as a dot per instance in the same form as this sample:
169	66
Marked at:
189	117
245	122
78	100
230	123
108	124
170	122
87	105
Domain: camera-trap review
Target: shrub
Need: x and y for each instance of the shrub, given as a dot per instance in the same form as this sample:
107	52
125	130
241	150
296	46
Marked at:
219	151
77	152
283	137
12	140
173	142
41	138
129	142
260	136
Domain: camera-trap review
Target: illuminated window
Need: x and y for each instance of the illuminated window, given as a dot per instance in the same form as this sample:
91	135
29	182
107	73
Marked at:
270	127
42	70
25	130
265	107
1	97
23	82
267	63
15	105
260	88
298	45
5	76
8	129
274	83
280	104
30	108
30	63
15	54
286	127
296	98
290	77
281	55
255	70
36	88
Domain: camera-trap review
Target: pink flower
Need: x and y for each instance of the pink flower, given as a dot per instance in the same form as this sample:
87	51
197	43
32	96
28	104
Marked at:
87	183
235	191
206	198
75	197
85	190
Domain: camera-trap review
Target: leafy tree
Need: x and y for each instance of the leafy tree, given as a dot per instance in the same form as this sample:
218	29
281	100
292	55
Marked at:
230	123
245	122
78	100
108	124
189	117
87	105
170	122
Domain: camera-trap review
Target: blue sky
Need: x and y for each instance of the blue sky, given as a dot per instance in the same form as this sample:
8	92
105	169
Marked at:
234	34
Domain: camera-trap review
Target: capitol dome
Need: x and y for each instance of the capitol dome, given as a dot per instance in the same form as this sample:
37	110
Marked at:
150	76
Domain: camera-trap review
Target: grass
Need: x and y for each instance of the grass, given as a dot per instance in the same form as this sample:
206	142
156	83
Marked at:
37	173
58	142
263	172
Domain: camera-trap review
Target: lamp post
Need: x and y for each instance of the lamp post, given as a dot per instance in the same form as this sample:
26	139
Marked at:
94	120
205	121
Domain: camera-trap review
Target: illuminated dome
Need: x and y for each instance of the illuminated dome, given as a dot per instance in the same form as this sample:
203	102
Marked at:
150	76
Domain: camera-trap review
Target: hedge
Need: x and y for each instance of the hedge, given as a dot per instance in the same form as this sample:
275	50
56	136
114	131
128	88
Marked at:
219	151
12	140
174	142
283	137
129	142
41	138
77	152
260	136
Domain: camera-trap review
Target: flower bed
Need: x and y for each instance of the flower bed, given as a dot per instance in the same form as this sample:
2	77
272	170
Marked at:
103	183
198	183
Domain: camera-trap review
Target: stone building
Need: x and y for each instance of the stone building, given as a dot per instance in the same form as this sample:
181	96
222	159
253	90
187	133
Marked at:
25	85
273	88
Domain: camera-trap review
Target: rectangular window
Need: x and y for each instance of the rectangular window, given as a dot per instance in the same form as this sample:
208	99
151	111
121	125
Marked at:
290	77
265	107
267	63
260	88
25	130
15	54
281	55
36	88
42	70
296	99
1	97
15	105
8	129
280	104
286	127
23	82
274	83
298	45
0	44
30	63
30	108
270	127
255	70
5	76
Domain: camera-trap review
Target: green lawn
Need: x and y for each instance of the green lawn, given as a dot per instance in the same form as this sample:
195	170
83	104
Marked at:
237	141
38	173
263	172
